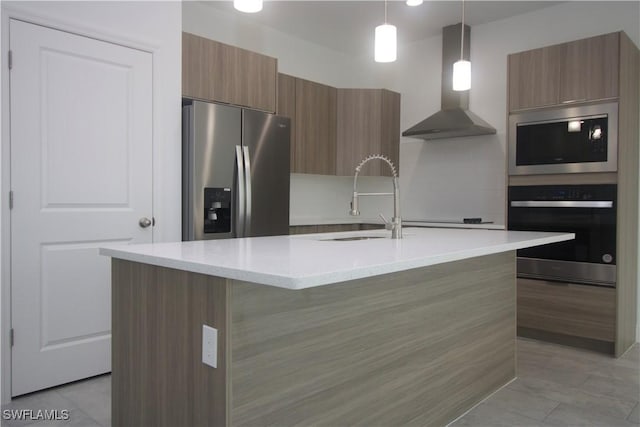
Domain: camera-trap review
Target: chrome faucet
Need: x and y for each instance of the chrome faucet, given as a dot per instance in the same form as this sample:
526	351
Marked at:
395	225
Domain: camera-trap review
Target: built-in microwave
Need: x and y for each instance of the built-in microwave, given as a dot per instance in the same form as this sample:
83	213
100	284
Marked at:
564	140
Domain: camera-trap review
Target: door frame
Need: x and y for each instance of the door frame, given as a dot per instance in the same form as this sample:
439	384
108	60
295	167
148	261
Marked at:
15	11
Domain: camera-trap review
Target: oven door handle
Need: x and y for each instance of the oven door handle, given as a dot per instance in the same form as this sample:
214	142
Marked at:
562	204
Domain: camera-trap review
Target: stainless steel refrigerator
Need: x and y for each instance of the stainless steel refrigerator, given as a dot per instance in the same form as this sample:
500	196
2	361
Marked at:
235	172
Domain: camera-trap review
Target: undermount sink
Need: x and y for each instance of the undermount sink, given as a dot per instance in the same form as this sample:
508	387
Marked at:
348	239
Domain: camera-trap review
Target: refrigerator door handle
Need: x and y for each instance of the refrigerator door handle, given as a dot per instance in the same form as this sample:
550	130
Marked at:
247	175
240	215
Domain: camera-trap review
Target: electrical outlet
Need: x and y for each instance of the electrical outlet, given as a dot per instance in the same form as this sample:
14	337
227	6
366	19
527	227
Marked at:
210	346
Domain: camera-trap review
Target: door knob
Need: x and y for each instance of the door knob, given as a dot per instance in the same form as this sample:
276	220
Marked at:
144	222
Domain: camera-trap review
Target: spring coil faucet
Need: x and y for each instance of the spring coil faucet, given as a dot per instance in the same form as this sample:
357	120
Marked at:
395	225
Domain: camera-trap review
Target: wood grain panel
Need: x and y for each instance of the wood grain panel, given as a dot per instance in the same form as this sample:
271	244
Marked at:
214	71
332	127
303	229
564	308
331	228
368	123
337	228
565	179
390	128
286	96
628	167
158	378
197	80
359	131
371	226
413	348
287	107
315	139
589	69
591	344
323	228
534	78
255	80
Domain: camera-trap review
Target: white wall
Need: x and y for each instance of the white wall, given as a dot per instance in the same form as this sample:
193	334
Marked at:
150	26
326	199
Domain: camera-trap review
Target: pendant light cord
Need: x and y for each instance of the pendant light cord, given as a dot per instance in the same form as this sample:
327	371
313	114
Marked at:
462	36
385	11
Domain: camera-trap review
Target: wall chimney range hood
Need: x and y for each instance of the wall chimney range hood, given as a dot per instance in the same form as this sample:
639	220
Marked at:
454	119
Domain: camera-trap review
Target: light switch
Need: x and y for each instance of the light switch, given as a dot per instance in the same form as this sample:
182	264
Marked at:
210	346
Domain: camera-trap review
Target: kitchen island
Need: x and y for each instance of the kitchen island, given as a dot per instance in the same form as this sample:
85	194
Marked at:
315	331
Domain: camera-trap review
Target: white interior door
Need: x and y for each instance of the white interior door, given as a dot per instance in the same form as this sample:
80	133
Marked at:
81	176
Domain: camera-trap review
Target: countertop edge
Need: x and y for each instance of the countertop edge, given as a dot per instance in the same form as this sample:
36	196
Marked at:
302	282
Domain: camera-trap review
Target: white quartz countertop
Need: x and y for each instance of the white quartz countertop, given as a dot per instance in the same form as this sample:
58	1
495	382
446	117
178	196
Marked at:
309	260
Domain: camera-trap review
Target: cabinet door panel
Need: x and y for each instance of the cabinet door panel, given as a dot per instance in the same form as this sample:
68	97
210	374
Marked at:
199	58
214	71
589	69
315	140
565	308
390	140
255	80
534	78
287	107
368	123
359	130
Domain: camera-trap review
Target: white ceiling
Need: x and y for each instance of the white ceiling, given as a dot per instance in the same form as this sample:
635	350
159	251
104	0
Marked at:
348	26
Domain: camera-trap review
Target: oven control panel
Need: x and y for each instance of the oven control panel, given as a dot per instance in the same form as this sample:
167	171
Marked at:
563	192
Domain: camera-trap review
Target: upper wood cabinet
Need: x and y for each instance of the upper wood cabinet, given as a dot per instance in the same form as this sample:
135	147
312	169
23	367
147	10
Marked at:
312	109
368	123
314	143
533	78
287	107
589	69
579	71
334	129
214	71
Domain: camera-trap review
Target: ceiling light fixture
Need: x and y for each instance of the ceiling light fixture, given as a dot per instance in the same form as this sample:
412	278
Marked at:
385	40
248	6
414	2
462	68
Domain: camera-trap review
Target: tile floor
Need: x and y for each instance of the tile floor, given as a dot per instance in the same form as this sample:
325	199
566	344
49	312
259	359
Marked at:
556	386
563	386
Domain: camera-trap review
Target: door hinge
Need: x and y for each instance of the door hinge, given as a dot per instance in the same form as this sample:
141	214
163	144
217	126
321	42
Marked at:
10	59
11	337
10	199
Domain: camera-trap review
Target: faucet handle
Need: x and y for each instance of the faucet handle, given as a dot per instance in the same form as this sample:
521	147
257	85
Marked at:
387	224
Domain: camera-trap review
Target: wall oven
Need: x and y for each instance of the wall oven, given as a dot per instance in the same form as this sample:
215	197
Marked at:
589	211
564	140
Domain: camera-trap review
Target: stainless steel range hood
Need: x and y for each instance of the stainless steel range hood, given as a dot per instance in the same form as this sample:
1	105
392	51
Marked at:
454	119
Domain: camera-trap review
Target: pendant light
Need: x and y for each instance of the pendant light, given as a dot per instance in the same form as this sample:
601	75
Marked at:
248	6
414	2
462	68
385	40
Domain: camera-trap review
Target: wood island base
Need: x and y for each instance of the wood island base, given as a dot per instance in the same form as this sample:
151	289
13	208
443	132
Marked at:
418	347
